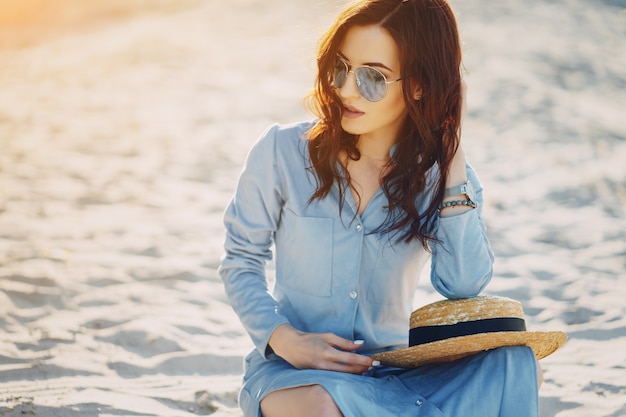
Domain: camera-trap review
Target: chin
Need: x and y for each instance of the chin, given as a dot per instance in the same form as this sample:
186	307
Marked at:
349	127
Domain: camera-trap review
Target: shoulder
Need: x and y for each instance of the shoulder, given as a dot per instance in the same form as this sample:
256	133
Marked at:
294	132
282	140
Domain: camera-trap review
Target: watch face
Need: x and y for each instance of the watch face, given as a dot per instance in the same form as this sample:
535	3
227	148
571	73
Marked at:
471	194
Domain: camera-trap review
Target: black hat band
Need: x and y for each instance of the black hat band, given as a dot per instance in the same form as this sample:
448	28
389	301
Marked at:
428	334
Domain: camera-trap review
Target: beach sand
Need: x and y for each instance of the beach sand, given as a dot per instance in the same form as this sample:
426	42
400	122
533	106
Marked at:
122	133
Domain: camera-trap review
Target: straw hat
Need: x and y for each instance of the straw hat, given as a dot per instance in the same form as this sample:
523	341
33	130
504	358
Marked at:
451	329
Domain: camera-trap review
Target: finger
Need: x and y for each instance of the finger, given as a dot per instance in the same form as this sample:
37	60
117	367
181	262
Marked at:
350	369
351	359
341	343
333	365
354	345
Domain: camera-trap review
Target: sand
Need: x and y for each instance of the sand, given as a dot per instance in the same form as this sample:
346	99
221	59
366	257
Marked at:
122	133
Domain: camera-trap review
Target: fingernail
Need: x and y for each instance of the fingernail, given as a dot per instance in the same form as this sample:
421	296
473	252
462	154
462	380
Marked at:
376	363
358	342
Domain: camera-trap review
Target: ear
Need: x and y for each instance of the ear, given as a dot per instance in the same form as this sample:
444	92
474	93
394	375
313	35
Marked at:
417	91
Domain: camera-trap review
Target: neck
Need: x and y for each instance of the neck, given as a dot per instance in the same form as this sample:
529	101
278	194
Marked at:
376	149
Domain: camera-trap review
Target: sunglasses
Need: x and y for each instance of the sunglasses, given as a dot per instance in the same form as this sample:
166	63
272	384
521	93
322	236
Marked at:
371	83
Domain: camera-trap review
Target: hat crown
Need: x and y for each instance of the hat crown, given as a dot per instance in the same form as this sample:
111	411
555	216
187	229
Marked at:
449	312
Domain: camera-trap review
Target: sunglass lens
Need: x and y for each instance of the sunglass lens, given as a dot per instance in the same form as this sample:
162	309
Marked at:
372	83
340	73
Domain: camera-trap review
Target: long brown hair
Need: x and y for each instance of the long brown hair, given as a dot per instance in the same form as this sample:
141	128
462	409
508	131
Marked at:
426	34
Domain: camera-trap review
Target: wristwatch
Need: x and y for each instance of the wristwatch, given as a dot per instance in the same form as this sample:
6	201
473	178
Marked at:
464	189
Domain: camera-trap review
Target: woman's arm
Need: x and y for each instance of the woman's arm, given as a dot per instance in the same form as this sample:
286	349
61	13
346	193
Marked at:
457	174
250	220
462	263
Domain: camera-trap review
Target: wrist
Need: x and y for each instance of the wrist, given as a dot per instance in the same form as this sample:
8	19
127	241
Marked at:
457	173
458	199
280	337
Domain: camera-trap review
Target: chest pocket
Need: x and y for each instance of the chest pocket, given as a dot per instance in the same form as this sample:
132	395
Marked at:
304	248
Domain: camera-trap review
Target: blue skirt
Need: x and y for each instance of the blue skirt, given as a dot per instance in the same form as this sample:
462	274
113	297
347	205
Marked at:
496	383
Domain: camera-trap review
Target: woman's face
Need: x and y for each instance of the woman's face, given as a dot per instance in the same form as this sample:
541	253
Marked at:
371	46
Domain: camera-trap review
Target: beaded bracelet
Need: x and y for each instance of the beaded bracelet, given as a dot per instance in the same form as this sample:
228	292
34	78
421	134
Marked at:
454	203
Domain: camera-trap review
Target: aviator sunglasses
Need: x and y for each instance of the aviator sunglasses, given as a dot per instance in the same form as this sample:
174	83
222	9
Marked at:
371	83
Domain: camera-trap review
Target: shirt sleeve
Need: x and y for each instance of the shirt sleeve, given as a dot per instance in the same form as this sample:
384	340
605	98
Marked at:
462	262
251	220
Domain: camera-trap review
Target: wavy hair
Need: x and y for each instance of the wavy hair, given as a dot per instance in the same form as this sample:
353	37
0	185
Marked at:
426	34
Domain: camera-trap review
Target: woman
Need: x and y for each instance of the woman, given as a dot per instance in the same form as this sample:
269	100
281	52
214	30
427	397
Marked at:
355	203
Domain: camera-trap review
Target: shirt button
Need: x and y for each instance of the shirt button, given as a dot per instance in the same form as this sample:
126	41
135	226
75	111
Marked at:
359	227
419	402
353	294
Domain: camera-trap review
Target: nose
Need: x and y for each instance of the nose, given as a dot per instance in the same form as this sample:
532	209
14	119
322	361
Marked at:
349	89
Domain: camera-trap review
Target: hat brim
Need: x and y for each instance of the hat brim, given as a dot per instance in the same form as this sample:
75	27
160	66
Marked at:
542	343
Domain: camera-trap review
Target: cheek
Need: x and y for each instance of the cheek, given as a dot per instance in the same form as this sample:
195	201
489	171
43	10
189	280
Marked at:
395	105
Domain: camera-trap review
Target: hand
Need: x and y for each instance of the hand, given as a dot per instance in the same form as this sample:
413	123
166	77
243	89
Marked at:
318	351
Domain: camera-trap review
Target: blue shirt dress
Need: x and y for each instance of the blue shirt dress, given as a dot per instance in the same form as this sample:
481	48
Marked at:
333	274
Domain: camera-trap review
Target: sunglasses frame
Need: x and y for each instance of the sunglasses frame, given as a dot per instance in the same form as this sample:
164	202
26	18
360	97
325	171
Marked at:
359	82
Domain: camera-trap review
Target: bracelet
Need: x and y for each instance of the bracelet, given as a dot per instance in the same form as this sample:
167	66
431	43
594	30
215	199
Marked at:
455	203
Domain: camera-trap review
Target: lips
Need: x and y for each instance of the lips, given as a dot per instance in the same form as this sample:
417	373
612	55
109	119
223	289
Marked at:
351	111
